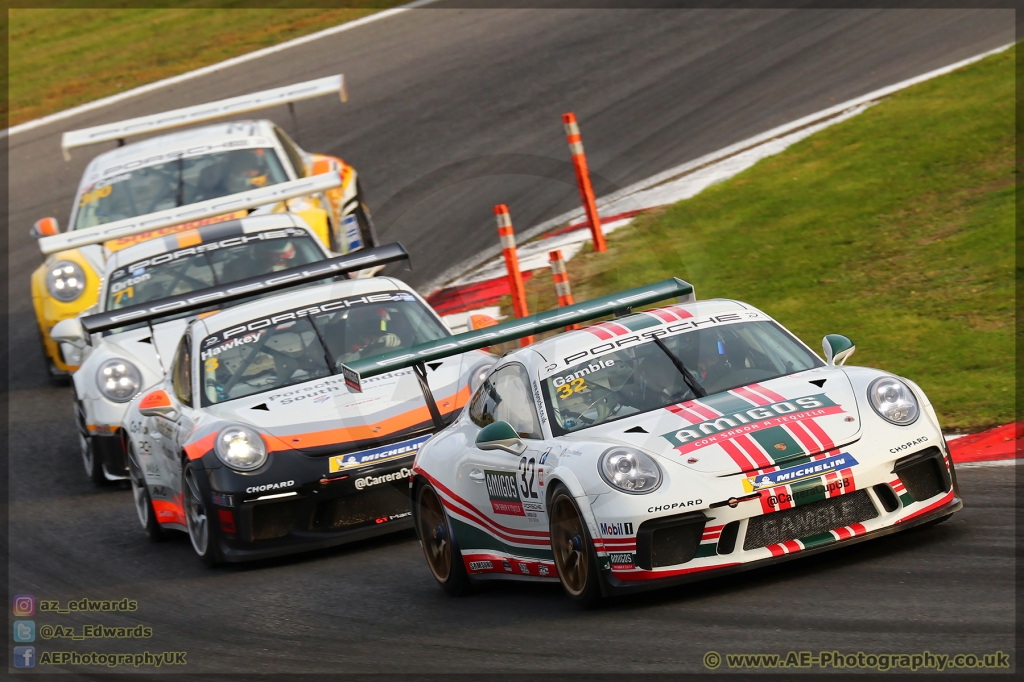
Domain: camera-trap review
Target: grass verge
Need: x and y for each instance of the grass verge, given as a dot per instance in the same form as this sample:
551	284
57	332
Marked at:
895	228
60	58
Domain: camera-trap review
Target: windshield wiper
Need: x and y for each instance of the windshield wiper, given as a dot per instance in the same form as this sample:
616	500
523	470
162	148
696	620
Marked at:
331	367
697	389
179	199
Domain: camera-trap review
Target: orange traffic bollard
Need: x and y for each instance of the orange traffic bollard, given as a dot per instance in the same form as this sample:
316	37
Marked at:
515	278
579	160
561	275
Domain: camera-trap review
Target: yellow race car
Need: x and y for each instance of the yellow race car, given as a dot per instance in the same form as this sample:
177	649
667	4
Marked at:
183	168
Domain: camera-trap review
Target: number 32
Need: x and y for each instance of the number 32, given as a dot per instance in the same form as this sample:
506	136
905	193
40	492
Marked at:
527	466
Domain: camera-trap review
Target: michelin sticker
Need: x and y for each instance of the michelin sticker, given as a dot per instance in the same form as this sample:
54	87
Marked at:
366	457
799	472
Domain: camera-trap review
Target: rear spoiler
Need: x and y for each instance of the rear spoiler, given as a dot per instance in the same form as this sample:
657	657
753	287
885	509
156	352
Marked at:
253	198
226	293
415	356
203	112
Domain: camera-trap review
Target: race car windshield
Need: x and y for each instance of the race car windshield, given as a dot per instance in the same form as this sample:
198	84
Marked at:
189	269
179	182
310	343
644	377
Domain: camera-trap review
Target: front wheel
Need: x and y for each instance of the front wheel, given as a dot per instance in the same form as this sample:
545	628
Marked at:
201	530
144	508
92	463
439	545
574	553
367	231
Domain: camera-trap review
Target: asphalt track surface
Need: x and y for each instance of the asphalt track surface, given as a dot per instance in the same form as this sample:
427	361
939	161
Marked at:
451	112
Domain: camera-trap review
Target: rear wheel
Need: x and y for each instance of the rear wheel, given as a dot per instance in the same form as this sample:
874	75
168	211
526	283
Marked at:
144	508
574	553
201	530
90	460
439	545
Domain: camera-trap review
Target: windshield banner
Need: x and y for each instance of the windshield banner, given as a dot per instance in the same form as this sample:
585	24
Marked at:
271	282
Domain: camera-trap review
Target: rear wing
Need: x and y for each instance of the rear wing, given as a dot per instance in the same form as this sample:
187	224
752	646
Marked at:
262	284
201	113
253	198
516	329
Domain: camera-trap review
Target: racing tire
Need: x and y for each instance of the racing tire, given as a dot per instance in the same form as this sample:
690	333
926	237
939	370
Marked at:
202	532
573	549
144	508
57	377
440	547
93	464
367	231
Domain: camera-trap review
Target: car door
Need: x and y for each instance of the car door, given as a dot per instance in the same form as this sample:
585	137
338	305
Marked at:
507	488
171	432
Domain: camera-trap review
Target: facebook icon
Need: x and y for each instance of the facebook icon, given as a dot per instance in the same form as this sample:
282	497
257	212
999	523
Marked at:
24	657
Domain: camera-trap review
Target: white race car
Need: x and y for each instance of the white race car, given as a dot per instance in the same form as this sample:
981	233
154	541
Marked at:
183	170
117	364
253	443
678	443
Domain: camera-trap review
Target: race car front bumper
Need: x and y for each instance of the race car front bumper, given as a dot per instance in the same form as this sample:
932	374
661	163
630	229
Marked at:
257	521
781	523
616	586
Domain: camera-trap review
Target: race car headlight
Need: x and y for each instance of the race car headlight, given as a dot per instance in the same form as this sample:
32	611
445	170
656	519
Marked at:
65	280
118	380
241	448
893	401
629	470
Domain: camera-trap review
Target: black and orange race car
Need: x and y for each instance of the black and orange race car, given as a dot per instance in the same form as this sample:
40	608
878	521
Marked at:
256	445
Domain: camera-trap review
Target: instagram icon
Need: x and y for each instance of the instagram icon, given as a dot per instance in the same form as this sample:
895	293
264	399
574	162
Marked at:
24	605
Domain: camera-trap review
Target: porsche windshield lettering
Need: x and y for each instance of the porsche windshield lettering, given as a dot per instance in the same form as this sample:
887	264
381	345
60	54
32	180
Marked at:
312	342
224	261
167	181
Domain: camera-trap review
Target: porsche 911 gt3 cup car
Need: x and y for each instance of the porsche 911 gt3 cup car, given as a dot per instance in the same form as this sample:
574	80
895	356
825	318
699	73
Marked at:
682	442
186	168
255	446
118	364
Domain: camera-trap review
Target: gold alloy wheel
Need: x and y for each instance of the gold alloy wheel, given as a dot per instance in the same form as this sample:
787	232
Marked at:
433	528
568	542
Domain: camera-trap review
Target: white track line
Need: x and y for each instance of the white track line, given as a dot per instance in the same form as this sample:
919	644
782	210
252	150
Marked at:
672	174
990	463
212	68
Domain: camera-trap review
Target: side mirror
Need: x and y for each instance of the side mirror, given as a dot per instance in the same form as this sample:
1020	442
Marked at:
44	227
157	403
838	349
479	321
500	436
320	167
70	332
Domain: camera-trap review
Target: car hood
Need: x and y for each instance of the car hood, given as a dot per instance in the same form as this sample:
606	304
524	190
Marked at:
748	428
325	412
